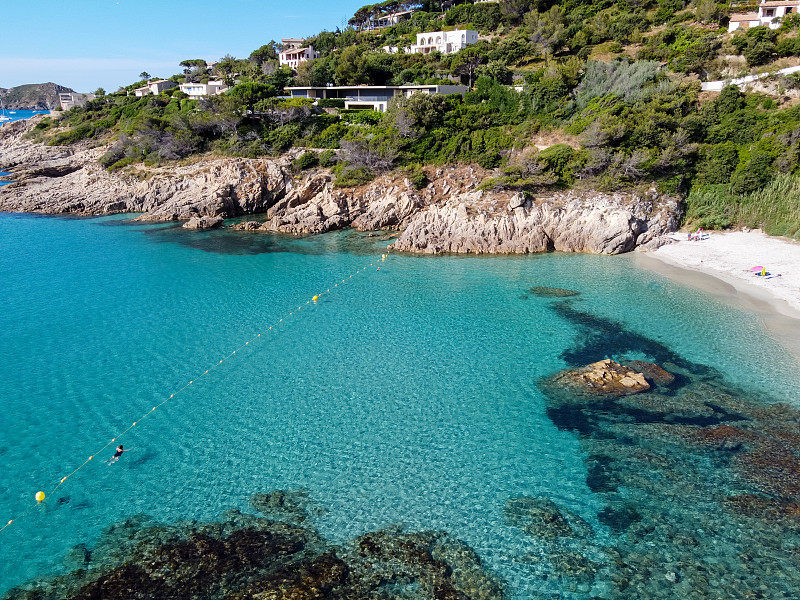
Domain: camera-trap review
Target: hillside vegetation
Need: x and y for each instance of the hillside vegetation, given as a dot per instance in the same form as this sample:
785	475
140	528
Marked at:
619	81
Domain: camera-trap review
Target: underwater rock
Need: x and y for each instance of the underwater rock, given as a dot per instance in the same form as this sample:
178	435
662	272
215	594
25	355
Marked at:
604	378
552	292
668	408
760	507
294	506
652	372
539	517
246	557
574	565
771	468
619	518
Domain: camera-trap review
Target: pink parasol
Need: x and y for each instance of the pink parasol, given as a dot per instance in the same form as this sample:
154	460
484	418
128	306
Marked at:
757	268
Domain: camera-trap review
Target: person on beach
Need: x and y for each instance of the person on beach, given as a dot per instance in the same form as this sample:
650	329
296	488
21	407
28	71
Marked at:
117	454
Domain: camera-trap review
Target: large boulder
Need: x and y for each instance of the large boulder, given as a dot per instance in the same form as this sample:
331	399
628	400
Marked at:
604	378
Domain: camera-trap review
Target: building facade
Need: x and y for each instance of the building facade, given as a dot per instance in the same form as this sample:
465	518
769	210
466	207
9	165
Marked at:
295	52
768	11
69	99
371	97
155	87
196	90
446	42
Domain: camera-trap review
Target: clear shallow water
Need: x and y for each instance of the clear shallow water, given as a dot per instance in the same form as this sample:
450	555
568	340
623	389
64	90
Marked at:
406	395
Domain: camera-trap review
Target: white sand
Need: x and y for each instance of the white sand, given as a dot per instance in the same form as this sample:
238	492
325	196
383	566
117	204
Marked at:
720	265
730	256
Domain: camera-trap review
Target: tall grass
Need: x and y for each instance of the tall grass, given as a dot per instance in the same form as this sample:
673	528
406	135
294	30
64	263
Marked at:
775	208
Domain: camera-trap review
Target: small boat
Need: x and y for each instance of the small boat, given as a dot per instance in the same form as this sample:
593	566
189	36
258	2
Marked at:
3	114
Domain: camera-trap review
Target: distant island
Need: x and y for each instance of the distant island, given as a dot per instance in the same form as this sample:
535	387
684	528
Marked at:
33	96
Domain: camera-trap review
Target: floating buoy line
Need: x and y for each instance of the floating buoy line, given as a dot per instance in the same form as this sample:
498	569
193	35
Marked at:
40	496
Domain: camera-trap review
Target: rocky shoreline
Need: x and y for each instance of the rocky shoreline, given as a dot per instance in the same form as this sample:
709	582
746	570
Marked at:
453	214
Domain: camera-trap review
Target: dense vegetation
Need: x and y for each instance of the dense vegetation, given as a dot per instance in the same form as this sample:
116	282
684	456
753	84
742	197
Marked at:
615	82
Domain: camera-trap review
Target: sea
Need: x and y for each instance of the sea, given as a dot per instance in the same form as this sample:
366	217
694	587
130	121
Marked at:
18	115
396	389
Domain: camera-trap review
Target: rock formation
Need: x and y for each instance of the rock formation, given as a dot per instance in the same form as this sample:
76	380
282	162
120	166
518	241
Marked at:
604	378
451	214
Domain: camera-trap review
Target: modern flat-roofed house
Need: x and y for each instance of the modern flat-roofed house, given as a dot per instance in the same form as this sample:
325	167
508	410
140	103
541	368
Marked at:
69	99
768	11
371	97
196	90
390	19
155	87
295	52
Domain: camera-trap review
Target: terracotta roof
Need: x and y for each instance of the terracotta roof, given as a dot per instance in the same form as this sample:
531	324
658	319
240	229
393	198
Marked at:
745	17
792	4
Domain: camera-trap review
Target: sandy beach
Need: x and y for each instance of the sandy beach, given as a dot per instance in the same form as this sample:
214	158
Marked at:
721	265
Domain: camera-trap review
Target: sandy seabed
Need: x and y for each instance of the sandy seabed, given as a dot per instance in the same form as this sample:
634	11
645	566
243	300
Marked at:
728	258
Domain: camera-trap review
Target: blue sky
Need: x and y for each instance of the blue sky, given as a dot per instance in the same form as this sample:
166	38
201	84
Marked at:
86	44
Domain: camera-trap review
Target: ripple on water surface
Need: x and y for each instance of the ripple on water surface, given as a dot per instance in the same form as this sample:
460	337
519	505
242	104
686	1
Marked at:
411	395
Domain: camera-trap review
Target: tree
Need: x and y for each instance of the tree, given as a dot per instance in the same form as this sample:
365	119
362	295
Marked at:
546	30
350	69
265	53
248	94
144	75
194	69
466	61
99	92
515	8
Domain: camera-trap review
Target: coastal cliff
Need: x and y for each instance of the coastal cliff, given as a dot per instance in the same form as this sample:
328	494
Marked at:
451	214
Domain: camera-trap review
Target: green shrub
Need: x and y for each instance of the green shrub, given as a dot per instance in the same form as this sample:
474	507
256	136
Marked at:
352	177
331	103
307	160
416	175
361	117
327	158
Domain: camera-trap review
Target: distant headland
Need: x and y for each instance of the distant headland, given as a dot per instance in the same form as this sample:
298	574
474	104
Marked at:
33	96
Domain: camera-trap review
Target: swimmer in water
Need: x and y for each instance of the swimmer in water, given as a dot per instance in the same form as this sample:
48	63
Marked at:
117	454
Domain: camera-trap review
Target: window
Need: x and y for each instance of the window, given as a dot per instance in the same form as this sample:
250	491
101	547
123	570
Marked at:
769	12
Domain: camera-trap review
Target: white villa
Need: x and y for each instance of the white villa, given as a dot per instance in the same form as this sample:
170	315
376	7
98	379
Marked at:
295	52
768	10
155	87
371	97
446	42
196	90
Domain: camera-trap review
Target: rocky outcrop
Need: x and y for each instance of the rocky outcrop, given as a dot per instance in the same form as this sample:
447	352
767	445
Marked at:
203	222
450	215
570	222
604	378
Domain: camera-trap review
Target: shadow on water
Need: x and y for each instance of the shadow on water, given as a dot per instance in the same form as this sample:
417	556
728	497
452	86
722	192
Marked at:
226	241
605	338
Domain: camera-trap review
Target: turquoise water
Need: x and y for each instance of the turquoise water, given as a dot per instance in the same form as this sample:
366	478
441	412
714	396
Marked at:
407	395
18	115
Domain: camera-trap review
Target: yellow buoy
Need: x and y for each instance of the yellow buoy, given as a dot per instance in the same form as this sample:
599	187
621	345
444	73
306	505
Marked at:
315	298
39	496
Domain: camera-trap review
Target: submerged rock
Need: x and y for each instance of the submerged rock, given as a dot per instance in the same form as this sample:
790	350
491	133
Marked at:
294	506
246	557
652	372
552	292
539	517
